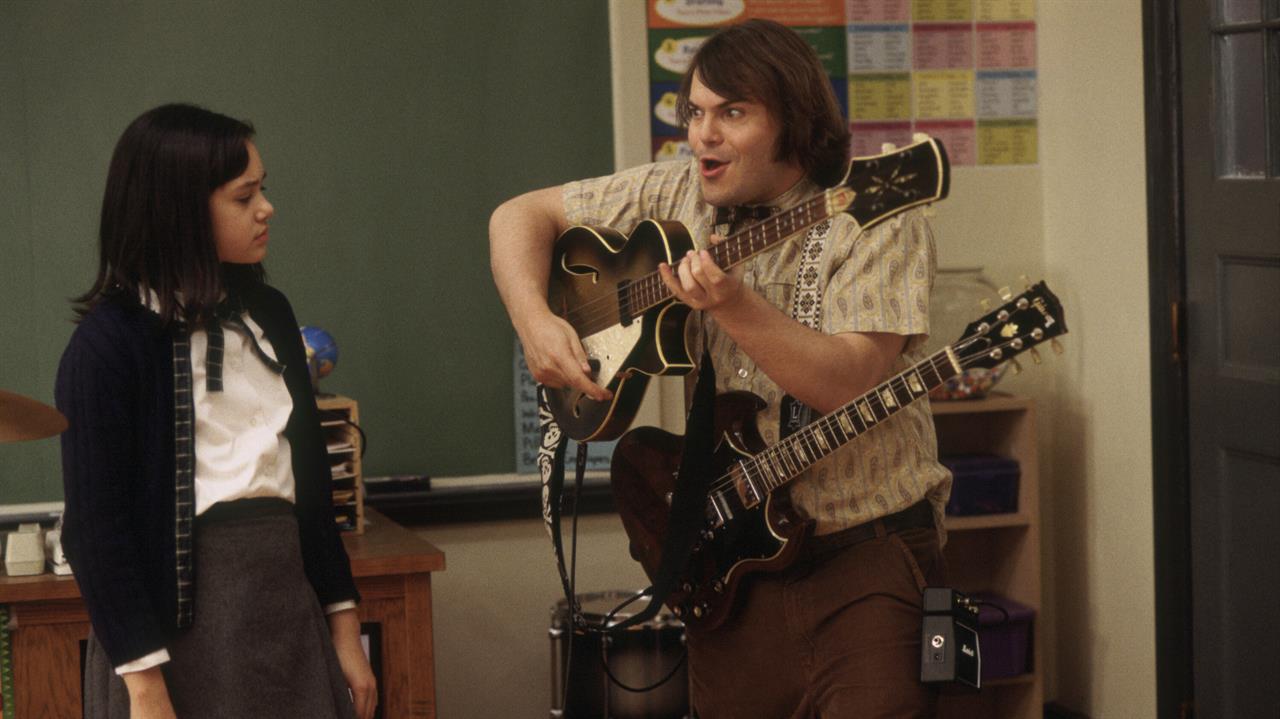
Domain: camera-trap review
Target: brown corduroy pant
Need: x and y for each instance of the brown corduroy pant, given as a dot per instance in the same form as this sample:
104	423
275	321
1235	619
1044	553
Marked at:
835	635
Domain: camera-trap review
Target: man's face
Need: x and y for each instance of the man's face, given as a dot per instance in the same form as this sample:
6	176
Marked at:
736	141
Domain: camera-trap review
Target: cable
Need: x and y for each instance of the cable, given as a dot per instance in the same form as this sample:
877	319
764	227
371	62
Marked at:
575	616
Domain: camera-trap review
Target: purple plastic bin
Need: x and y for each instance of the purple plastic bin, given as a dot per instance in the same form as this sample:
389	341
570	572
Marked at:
982	484
1005	645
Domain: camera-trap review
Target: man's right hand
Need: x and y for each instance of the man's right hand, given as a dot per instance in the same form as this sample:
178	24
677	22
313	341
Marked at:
556	358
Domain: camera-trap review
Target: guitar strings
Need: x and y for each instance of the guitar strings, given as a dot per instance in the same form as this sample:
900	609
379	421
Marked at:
588	316
827	421
652	286
652	281
755	461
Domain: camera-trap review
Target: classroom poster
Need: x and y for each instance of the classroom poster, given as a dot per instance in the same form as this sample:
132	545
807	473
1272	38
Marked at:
961	70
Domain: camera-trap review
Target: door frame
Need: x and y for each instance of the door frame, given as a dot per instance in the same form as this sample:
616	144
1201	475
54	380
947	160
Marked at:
1166	259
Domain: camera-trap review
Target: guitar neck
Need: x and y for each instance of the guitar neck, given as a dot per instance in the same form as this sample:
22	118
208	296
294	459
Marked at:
754	478
650	291
872	189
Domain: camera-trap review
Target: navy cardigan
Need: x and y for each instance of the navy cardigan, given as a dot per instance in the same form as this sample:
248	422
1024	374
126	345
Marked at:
115	386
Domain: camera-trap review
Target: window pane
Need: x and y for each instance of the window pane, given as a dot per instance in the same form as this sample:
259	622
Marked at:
1240	96
1241	10
1273	100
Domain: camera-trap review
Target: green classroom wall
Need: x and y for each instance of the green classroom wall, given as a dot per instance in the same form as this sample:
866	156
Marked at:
389	131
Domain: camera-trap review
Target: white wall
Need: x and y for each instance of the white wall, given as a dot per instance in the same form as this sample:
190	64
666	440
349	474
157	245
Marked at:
1100	540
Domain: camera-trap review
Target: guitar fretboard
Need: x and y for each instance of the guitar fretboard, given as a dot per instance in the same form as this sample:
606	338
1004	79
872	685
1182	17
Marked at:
752	479
650	291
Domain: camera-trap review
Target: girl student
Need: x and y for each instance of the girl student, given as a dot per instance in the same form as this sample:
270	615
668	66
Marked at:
198	515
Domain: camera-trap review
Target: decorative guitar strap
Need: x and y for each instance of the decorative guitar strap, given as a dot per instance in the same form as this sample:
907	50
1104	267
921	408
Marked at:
806	308
551	469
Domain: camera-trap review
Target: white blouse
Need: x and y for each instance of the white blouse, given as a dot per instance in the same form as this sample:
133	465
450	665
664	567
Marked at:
241	450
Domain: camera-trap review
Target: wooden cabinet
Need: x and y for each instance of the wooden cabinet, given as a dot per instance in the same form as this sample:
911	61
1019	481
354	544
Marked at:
392	567
997	552
340	422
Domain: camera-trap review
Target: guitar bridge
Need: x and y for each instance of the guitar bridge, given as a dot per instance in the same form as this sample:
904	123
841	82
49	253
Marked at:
718	511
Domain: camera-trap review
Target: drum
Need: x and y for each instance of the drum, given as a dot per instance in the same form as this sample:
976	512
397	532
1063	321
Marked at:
638	657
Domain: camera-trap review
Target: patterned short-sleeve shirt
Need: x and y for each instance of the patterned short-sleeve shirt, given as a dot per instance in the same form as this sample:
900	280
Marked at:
873	281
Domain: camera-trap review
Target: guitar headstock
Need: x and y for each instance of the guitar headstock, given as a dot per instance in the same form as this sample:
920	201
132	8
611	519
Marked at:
1033	317
886	184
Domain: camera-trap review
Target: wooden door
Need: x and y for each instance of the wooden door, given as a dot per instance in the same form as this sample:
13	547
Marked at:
1230	60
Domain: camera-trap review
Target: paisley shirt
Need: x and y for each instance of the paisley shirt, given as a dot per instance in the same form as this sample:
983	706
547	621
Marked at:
874	281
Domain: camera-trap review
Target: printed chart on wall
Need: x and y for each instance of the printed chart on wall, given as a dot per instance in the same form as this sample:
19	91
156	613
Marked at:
963	71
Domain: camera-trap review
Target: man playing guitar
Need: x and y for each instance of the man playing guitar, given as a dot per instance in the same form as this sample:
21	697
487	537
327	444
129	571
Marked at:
808	326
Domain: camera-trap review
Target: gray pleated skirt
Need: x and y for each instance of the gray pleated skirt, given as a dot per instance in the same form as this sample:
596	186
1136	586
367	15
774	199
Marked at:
258	645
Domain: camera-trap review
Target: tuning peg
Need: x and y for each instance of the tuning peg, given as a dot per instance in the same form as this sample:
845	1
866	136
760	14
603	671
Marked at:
1004	293
887	147
1013	365
1035	355
1026	281
985	304
1056	345
919	137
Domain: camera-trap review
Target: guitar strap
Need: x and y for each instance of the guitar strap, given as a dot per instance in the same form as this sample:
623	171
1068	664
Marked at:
551	468
688	505
806	308
689	501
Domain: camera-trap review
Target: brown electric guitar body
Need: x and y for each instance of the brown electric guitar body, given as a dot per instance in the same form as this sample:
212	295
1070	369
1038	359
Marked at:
748	527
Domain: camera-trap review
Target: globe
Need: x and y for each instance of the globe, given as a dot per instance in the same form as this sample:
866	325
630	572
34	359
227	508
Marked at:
322	352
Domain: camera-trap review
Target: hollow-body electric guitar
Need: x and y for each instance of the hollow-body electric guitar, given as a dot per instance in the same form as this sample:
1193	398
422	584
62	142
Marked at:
608	288
748	528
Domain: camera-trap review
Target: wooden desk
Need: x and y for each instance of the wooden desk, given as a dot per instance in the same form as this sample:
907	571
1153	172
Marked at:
392	568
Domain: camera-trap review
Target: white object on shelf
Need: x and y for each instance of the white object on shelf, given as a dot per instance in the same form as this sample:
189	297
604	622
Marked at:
24	551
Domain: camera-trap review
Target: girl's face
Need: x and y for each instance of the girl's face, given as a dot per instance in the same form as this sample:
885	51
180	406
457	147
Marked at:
240	213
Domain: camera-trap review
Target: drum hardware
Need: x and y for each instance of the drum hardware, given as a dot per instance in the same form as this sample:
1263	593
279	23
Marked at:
641	670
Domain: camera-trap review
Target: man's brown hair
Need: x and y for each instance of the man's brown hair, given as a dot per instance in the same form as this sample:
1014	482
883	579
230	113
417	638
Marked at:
769	63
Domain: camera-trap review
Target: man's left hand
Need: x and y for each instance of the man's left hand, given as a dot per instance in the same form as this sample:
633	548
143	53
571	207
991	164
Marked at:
699	282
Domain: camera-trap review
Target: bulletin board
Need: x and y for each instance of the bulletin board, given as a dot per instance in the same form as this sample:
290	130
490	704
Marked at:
963	71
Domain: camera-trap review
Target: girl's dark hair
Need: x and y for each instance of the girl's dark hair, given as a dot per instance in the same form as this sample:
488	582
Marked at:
766	62
156	233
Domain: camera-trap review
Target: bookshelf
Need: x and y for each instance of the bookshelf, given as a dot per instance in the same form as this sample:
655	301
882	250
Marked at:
997	552
339	419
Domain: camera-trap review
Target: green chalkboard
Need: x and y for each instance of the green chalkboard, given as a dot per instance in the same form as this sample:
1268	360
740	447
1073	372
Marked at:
389	131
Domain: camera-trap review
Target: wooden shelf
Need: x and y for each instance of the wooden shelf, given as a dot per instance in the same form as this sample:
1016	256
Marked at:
339	418
993	402
987	521
997	552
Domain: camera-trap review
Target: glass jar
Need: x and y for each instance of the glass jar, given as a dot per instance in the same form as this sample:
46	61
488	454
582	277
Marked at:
956	302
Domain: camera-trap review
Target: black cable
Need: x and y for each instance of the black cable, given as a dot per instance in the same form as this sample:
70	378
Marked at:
604	658
331	414
575	616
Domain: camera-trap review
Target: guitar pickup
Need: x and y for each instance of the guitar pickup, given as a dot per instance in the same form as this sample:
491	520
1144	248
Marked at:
747	491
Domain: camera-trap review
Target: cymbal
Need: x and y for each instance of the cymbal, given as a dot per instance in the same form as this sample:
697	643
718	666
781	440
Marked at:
22	418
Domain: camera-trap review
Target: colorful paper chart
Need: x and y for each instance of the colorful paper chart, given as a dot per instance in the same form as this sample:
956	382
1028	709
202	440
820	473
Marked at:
961	70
